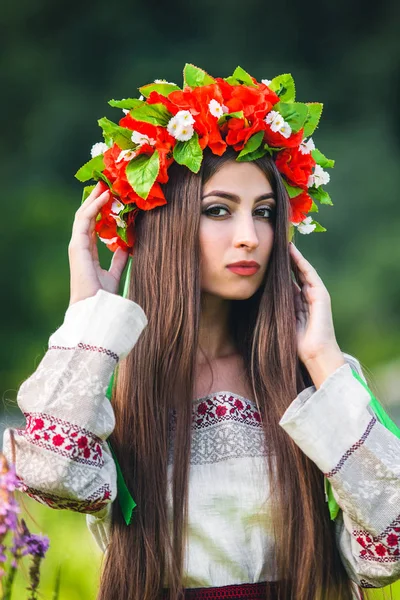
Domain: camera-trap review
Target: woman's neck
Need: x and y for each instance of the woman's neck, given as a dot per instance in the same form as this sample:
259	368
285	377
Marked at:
215	339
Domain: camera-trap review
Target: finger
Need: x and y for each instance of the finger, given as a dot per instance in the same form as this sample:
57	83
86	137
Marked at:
93	248
307	273
99	188
85	216
118	263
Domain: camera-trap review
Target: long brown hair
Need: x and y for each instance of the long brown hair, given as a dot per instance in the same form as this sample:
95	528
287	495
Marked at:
157	377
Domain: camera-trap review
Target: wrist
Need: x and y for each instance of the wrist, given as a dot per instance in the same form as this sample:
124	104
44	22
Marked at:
324	364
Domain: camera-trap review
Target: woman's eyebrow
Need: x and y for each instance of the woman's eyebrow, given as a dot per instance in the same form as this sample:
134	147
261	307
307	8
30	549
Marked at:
236	198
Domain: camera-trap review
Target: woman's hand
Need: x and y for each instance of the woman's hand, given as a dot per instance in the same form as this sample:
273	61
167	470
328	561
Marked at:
317	346
87	277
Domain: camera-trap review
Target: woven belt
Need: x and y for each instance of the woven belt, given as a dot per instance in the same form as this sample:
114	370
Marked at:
244	591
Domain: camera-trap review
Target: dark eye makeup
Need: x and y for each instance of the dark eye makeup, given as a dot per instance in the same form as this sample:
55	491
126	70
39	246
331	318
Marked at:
207	211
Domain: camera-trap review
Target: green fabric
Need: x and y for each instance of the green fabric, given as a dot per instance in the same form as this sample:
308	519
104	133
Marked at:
125	499
384	419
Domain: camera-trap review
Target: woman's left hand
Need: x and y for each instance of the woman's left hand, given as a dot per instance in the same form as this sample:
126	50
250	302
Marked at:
316	338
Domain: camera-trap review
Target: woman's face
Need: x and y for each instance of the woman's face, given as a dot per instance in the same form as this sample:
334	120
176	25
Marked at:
237	224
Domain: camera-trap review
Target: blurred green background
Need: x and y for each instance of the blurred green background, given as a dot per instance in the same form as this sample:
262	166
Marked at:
60	64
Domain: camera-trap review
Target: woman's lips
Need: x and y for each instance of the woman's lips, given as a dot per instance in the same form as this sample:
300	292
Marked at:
244	270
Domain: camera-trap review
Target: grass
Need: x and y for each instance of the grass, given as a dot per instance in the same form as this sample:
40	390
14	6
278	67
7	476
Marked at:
73	549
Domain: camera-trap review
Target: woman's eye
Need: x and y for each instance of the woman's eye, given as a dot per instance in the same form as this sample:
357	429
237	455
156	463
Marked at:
214	208
213	211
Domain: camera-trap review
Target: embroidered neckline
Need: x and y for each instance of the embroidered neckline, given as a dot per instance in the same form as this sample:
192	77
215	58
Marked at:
213	394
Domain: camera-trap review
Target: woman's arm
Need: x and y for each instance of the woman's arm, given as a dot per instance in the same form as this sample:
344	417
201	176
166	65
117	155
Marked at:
61	456
336	427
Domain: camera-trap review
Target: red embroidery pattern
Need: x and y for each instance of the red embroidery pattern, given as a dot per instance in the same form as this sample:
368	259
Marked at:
98	500
245	591
384	548
87	347
352	449
225	407
61	437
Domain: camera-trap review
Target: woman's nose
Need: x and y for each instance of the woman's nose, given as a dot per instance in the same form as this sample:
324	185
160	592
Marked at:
245	233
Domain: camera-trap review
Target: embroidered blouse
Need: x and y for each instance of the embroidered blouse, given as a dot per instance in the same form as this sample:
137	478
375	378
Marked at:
63	460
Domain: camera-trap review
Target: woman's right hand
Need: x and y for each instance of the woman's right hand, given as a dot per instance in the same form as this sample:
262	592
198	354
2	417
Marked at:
87	276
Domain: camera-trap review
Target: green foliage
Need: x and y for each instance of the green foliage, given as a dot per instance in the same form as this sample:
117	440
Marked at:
114	133
189	153
156	114
283	86
142	172
87	170
195	77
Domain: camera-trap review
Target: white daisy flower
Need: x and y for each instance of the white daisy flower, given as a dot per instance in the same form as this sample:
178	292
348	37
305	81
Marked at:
278	123
120	222
108	241
217	109
319	177
141	139
117	206
306	226
306	147
271	116
181	126
266	81
185	133
184	117
126	155
98	149
285	130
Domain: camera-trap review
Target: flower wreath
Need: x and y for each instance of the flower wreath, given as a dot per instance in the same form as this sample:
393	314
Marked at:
168	124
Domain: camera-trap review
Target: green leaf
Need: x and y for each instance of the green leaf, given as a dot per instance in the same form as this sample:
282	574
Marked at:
284	87
314	207
231	80
189	153
252	144
86	171
121	231
321	160
87	190
313	117
242	76
162	88
156	114
272	149
318	227
320	195
57	585
291	190
195	77
99	175
294	113
119	135
127	103
252	155
235	115
142	172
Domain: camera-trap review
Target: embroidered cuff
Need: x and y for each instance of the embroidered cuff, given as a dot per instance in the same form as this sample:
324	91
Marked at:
106	320
326	422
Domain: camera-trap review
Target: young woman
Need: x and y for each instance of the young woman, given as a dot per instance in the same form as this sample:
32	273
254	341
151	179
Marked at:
232	407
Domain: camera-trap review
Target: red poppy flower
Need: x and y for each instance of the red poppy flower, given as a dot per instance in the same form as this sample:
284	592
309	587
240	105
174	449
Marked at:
299	207
296	167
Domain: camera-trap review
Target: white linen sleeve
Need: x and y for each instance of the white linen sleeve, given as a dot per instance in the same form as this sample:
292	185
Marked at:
337	429
61	456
